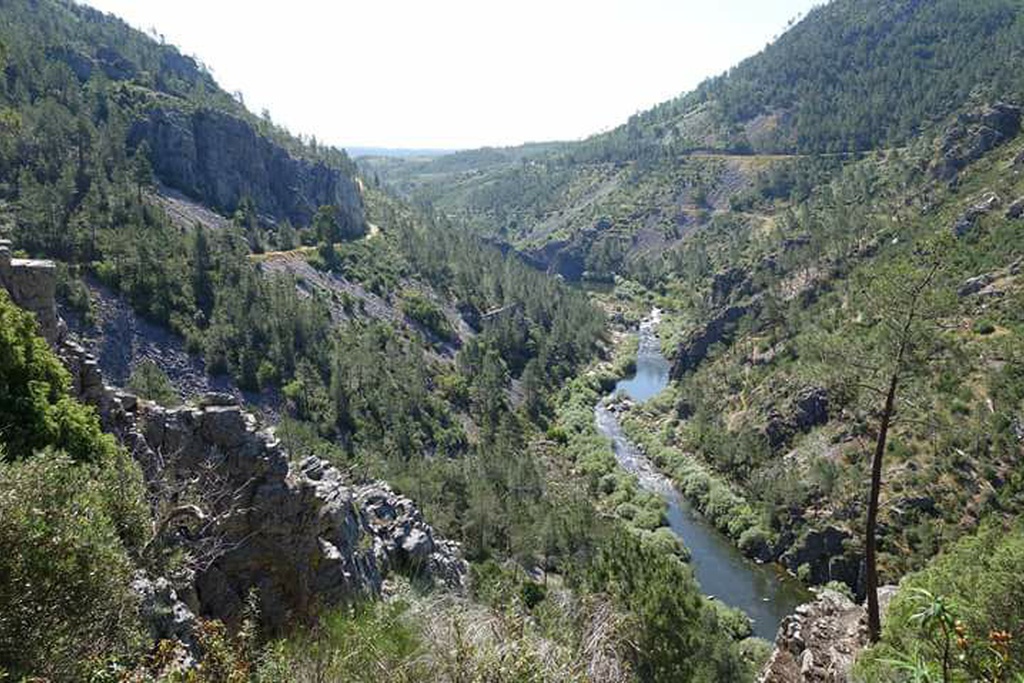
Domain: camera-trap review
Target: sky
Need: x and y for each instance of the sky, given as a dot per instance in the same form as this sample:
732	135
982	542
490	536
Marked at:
454	74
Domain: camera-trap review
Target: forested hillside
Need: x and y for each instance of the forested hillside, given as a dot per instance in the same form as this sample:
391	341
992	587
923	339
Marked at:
849	78
831	233
781	216
391	342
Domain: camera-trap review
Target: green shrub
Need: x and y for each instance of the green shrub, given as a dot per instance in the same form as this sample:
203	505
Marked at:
65	600
978	587
627	511
532	593
983	327
35	410
366	642
425	313
151	383
753	541
663	540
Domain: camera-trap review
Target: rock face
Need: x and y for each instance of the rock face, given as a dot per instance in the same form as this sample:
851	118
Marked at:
725	283
966	222
972	135
220	159
808	410
32	285
824	553
559	257
820	642
299	536
718	329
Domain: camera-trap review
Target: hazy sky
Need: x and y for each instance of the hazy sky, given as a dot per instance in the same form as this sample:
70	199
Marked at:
459	73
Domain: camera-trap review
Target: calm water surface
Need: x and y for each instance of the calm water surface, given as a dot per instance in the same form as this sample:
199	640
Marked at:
764	592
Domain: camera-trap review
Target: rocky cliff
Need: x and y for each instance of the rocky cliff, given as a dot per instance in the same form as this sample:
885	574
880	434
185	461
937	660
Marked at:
298	534
224	493
820	642
219	159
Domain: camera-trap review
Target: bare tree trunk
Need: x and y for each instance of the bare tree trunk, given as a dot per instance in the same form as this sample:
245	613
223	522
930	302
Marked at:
874	620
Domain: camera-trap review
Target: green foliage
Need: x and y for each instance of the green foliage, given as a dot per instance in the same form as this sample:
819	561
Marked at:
150	382
983	327
35	410
855	76
678	637
348	645
962	614
426	314
70	524
65	569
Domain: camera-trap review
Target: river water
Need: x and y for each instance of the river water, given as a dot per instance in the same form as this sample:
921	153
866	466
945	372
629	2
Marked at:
763	591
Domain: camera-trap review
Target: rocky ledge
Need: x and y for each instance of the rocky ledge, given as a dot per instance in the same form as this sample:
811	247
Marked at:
820	642
297	535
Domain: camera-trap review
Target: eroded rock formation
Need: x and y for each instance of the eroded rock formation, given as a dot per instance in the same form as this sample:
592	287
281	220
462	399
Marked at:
972	135
819	643
298	535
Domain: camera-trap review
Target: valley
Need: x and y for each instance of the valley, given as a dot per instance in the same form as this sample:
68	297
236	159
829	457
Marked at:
684	400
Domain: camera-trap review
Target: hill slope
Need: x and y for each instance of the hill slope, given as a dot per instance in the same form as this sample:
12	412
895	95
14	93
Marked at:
386	340
776	215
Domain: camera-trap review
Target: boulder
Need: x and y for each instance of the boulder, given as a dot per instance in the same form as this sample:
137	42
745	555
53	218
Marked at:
811	408
966	222
975	284
974	134
1016	209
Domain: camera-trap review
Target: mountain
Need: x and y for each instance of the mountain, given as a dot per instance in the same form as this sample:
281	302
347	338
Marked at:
316	401
400	152
779	216
851	77
355	421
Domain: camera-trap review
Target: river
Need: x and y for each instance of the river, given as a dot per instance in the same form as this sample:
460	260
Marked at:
763	591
